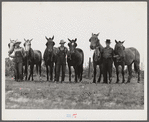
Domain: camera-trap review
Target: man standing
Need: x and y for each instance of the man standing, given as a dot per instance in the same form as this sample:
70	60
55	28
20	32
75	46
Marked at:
18	56
61	61
107	55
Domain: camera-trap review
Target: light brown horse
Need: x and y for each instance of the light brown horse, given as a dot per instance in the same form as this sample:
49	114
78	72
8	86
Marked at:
33	57
126	56
97	58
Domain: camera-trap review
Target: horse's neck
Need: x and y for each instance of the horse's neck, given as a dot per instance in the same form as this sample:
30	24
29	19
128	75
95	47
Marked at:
100	46
31	53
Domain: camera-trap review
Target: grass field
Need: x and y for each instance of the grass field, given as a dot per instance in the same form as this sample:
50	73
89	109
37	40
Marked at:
84	95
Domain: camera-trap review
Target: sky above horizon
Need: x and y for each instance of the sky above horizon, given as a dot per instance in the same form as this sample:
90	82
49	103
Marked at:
114	20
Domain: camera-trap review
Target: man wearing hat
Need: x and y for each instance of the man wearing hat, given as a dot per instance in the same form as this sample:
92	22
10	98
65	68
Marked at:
107	55
61	60
18	56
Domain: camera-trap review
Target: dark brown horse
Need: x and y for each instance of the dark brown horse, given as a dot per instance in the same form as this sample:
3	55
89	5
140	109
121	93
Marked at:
97	58
75	58
33	57
50	57
126	56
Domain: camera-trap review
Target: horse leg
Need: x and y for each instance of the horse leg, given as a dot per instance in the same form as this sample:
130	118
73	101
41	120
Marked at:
117	73
138	75
123	73
137	69
76	73
47	72
37	69
94	79
31	72
51	72
81	72
26	71
40	70
130	73
69	73
99	79
55	72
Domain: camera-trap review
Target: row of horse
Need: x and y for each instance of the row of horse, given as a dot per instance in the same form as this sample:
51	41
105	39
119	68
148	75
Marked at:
123	56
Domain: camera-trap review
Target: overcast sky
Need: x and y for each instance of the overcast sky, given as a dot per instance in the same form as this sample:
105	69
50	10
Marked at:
114	20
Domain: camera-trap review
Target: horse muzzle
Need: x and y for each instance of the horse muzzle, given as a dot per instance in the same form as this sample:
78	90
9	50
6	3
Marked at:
92	47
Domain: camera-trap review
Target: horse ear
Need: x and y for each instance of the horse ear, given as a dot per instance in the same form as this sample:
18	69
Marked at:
53	37
9	45
97	34
92	34
24	39
116	42
69	39
31	39
46	38
123	41
75	39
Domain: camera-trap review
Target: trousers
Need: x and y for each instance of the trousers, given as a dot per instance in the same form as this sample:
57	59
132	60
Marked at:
107	69
19	70
58	68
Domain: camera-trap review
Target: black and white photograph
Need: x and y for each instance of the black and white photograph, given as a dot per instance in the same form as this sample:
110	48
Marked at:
74	60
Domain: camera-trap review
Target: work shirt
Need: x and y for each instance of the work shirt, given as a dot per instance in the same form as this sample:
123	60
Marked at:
19	53
61	56
107	52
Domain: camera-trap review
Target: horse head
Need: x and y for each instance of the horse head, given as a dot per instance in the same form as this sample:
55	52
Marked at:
94	41
27	45
72	45
119	50
11	46
50	44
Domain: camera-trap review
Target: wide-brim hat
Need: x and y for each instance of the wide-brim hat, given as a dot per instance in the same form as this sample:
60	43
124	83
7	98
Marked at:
62	42
108	41
17	42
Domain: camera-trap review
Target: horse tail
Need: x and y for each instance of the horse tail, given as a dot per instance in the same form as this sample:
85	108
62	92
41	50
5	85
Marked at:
136	67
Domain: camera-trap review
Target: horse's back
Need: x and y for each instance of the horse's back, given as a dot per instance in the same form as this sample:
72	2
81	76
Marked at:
131	55
37	56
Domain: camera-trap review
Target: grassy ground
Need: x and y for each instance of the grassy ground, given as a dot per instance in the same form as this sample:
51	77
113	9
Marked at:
85	95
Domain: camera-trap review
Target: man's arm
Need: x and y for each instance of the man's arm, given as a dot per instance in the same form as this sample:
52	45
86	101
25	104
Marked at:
11	56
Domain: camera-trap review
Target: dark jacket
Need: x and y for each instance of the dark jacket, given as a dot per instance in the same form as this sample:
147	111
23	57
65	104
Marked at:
107	52
61	55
